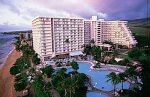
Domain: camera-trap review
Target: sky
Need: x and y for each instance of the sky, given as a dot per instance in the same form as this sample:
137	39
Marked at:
18	14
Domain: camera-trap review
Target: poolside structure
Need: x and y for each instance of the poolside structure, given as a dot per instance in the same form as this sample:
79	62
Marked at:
75	53
105	46
56	36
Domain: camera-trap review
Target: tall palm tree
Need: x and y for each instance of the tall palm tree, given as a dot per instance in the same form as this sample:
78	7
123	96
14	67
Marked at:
115	54
92	42
87	49
97	54
18	45
122	78
130	74
114	48
74	65
114	78
65	85
93	50
126	62
67	42
83	46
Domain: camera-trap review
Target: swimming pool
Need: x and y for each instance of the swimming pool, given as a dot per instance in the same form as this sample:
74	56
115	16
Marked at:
98	78
93	94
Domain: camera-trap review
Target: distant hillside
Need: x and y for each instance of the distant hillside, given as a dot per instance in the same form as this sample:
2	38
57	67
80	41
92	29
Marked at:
140	26
17	32
139	20
141	31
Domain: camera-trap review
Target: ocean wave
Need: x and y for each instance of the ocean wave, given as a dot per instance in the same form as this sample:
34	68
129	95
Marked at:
5	46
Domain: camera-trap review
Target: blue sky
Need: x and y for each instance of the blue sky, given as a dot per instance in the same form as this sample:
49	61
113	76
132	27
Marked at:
18	14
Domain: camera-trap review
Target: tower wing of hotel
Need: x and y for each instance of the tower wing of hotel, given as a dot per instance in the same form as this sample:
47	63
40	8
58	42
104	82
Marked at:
56	36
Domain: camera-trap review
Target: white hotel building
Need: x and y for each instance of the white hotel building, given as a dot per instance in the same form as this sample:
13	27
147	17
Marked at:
115	31
50	34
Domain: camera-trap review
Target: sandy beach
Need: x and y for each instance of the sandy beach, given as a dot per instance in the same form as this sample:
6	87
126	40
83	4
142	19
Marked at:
6	80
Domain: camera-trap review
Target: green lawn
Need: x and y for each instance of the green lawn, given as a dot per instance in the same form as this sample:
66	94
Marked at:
140	27
137	29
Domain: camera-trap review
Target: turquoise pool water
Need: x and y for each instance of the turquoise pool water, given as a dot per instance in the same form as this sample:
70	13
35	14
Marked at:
98	78
93	94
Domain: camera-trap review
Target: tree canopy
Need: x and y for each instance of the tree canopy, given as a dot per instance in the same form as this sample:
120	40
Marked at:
20	86
21	77
114	78
48	70
69	85
74	65
14	70
35	59
134	53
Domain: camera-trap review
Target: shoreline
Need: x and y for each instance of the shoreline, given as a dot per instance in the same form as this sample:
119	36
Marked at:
6	80
6	57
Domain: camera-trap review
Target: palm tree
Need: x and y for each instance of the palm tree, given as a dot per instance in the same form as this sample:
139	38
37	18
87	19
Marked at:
67	42
114	78
126	62
65	85
18	45
74	65
114	48
83	46
122	78
97	54
87	49
104	54
93	50
92	42
130	74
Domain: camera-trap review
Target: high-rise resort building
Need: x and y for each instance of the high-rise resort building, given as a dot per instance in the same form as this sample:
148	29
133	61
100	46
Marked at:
56	36
116	31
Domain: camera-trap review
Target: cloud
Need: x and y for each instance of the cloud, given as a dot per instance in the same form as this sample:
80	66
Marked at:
102	15
10	5
11	17
121	9
22	12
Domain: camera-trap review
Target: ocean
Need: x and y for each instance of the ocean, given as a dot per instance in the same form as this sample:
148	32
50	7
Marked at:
5	46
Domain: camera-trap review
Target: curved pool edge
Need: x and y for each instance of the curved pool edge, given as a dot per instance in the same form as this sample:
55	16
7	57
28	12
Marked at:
111	68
